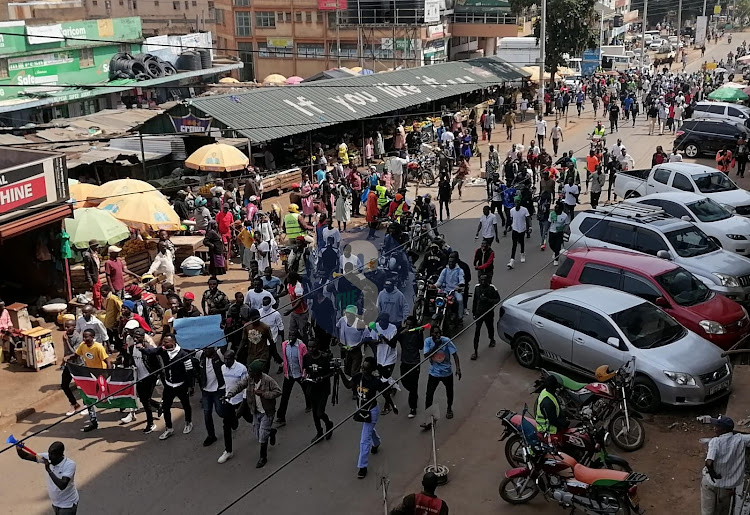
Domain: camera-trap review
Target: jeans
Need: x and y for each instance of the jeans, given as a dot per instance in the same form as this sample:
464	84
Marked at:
211	401
181	392
543	229
65	384
373	230
460	300
488	320
715	501
144	389
369	438
286	392
232	414
741	164
612	125
518	239
555	145
65	511
410	382
447	204
555	242
432	384
595	198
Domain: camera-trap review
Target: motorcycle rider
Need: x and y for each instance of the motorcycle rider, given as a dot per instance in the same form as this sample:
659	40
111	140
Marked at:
398	207
599	133
452	278
549	416
434	261
429	213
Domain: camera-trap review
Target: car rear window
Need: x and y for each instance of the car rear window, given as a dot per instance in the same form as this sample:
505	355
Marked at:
565	265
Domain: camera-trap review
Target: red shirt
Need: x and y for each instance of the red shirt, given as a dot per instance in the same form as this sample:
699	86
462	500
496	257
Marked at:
372	206
224	221
302	306
138	318
115	273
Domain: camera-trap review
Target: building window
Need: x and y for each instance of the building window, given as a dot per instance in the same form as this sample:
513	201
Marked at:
135	4
309	17
310	50
220	16
86	57
288	17
187	5
280	17
347	49
195	4
268	51
3	68
242	3
122	2
176	6
319	17
242	23
265	19
332	19
298	16
156	3
94	3
246	56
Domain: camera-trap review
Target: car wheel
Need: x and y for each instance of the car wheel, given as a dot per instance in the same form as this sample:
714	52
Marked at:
526	351
645	395
692	150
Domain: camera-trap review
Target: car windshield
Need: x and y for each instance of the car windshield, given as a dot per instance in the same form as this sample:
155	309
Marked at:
709	211
646	326
690	241
684	288
713	182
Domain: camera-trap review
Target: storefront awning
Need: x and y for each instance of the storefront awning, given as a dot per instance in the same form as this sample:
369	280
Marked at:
34	221
277	112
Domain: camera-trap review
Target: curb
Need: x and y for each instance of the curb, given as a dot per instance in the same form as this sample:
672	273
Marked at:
9	420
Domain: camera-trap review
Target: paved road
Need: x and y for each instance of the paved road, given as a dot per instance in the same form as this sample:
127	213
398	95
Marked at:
121	471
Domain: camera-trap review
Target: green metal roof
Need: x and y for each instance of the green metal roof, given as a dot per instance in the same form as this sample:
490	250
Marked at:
277	112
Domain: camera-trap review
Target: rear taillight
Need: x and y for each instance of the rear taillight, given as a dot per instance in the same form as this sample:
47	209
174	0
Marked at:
633	490
679	133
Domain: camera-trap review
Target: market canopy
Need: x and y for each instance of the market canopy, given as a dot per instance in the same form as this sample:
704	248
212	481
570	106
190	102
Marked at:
89	223
83	194
143	212
533	71
271	113
728	95
217	157
125	188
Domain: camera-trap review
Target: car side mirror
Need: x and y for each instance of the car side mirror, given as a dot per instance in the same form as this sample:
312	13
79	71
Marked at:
664	254
662	302
686	218
614	342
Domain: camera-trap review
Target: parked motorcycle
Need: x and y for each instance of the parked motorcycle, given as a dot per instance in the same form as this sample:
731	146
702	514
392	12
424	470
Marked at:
421	170
560	478
605	402
586	443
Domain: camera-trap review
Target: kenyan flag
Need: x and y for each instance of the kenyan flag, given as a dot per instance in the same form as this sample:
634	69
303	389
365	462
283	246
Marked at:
116	385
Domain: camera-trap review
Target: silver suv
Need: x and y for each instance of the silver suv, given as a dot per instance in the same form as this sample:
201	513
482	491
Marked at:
722	111
647	229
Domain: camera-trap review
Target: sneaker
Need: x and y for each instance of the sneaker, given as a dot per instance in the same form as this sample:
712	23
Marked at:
474	357
543	247
225	456
73	410
511	263
208	441
317	438
130	417
492	343
523	258
90	427
149	429
412	413
329	430
555	262
362	473
449	414
261	463
188	428
166	434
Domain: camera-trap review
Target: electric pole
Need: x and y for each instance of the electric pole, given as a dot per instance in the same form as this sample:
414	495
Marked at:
542	49
643	32
679	19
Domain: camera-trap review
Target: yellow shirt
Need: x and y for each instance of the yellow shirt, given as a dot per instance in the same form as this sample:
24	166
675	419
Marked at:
112	308
344	153
246	238
94	356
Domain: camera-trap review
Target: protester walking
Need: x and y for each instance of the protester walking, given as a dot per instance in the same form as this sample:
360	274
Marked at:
486	298
60	477
439	350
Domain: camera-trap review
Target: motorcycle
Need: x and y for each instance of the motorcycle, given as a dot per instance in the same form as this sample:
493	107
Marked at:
605	403
145	294
446	309
586	444
424	297
560	478
421	169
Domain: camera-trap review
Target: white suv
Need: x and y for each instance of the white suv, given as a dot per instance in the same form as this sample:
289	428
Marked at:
723	111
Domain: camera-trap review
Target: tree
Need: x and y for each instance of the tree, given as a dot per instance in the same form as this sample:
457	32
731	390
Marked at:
572	27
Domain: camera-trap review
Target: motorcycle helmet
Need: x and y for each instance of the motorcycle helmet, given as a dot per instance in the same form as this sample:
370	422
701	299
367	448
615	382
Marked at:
428	197
603	374
147	278
200	201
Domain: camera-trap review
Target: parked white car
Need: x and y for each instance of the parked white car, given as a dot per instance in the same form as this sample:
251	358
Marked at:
731	231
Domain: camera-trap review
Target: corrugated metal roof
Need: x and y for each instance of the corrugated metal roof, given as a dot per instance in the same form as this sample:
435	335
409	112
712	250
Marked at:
277	112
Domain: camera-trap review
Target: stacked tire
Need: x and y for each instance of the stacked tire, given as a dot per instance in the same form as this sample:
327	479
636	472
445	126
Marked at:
140	67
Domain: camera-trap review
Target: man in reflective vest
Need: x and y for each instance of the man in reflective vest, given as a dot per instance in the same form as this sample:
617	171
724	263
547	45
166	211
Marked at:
398	207
293	225
549	418
425	502
381	190
599	130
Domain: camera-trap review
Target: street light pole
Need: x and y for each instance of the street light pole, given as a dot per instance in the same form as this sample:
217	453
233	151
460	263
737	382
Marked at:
643	32
679	18
542	49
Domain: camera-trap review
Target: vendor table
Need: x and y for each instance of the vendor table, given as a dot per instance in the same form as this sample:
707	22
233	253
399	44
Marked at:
186	246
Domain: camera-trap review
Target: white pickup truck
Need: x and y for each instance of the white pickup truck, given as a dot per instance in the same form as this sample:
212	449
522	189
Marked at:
695	178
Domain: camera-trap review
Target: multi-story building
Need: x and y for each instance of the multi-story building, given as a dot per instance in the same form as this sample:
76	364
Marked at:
158	17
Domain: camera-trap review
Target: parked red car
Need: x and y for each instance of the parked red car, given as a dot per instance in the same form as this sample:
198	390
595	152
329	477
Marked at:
675	290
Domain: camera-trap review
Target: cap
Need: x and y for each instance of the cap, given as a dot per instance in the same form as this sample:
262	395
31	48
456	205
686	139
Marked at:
300	238
132	324
295	185
351	309
257	366
388	282
93	242
128	304
293	208
253	198
723	422
189	295
384	316
114	249
399	197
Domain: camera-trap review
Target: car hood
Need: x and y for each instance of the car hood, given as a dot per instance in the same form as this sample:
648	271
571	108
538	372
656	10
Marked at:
719	309
720	261
691	354
732	225
738	197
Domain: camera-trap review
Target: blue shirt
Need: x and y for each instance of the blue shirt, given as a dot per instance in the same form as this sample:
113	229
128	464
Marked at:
271	284
627	103
292	360
509	197
450	278
320	176
440	362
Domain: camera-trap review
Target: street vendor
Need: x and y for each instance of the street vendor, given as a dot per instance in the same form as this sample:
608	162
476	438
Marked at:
293	224
115	270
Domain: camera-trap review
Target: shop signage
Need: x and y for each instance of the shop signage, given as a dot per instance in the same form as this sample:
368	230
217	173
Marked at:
33	185
191	123
66	34
431	11
331	5
436	31
402	44
280	42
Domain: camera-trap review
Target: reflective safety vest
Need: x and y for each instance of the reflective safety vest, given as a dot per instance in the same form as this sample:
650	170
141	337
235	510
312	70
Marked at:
541	421
426	505
291	223
600	132
399	210
382	199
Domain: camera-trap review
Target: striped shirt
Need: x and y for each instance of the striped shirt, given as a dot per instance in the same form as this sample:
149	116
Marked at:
728	453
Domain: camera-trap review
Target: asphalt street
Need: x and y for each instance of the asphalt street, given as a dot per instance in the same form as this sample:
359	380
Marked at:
122	471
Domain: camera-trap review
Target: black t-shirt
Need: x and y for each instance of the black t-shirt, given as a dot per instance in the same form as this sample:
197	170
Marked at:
411	345
318	369
183	312
614	110
366	388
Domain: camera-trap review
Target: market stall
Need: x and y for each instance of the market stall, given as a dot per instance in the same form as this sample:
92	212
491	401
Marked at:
186	246
137	256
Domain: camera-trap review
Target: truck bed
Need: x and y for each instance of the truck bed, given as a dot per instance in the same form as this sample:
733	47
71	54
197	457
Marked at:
641	173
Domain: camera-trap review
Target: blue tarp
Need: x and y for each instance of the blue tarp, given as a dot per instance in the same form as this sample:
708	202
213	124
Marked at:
199	332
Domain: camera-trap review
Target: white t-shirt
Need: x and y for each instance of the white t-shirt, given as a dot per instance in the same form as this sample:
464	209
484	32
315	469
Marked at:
263	261
386	354
524	104
488	225
541	127
331	233
570	191
447	137
212	382
69	496
675	158
556	132
354	260
258	403
518	217
255	300
232	376
396	165
558	222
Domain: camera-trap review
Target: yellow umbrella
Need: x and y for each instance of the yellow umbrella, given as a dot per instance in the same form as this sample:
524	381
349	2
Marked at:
143	212
356	69
534	71
217	157
123	188
274	78
228	80
85	195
